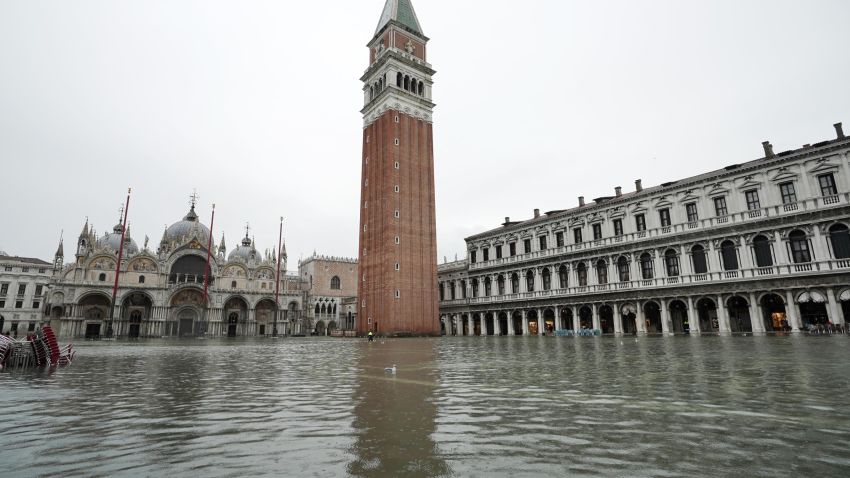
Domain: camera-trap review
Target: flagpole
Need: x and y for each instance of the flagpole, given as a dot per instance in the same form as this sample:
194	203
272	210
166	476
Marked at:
206	274
109	330
277	280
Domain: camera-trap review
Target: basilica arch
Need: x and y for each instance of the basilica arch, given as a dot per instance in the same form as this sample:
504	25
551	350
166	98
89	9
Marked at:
186	313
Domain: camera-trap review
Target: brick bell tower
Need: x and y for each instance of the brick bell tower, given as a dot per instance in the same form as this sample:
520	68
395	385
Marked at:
398	243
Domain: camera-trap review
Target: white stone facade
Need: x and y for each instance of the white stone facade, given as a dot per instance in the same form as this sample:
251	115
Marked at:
757	247
23	290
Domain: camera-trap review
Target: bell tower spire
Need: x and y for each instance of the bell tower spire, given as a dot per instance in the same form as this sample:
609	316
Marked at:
398	252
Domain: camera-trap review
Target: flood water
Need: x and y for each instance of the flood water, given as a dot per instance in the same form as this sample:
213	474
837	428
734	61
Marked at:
465	406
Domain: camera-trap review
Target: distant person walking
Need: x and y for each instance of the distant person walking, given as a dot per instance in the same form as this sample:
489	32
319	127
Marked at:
371	336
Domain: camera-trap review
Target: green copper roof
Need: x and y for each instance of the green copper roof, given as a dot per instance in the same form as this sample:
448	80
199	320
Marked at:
402	12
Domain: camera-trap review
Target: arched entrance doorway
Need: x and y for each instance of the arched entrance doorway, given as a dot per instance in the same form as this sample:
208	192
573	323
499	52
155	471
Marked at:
775	318
442	324
533	326
813	313
606	319
319	330
585	318
189	304
490	323
652	312
466	325
266	320
517	318
476	324
135	309
739	315
567	318
629	313
679	317
707	314
236	311
503	323
549	321
95	309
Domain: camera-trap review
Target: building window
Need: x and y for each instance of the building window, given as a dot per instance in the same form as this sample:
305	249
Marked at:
397	166
800	252
581	274
514	283
827	185
602	272
42	271
563	277
542	240
640	222
761	247
618	227
789	194
512	249
4	289
501	285
720	209
691	211
671	260
397	189
839	236
36	305
22	289
8	269
526	244
474	288
336	284
397	266
698	255
397	214
39	289
25	269
547	279
488	287
529	281
473	257
577	235
729	254
397	294
597	232
141	279
664	215
486	254
19	304
559	239
752	197
498	252
233	284
396	142
646	269
623	269
2	306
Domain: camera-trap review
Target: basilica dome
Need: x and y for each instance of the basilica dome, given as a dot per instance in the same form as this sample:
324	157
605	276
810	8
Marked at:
113	241
189	227
245	252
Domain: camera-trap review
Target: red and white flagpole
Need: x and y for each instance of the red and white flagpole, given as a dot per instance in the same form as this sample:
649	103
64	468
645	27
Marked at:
109	330
207	267
277	279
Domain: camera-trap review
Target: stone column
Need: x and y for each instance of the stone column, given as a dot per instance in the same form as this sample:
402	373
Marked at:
791	309
541	324
746	255
483	318
756	314
523	285
685	268
712	259
693	317
665	318
723	316
575	319
640	319
618	319
524	324
511	330
497	326
819	247
834	311
595	312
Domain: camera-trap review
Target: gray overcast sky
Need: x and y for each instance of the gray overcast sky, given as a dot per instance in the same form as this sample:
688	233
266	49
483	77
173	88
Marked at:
256	105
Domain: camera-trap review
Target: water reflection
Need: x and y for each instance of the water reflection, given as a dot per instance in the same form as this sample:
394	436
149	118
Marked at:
395	414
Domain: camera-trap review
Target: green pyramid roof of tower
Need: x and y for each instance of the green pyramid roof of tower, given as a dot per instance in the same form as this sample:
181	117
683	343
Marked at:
402	12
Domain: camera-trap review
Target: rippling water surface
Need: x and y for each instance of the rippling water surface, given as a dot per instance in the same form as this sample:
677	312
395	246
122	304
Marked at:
511	406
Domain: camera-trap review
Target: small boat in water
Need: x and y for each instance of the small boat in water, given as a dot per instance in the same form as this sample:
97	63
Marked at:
36	351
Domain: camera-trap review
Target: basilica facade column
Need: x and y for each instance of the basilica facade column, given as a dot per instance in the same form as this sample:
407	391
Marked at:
756	314
511	330
792	310
723	316
693	317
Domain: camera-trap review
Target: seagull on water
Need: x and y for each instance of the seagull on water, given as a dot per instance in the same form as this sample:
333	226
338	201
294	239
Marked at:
391	370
